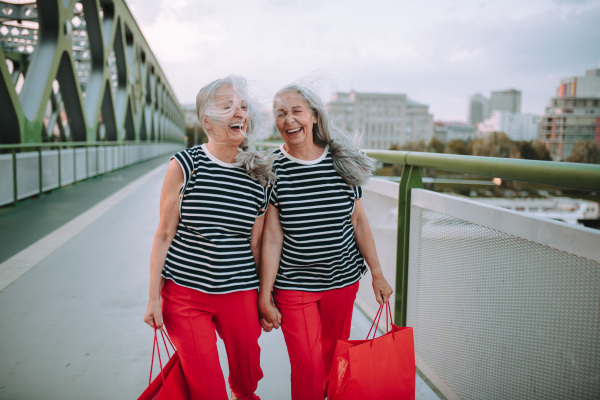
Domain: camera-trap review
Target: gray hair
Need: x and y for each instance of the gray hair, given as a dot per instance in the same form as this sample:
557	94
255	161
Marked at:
257	164
353	165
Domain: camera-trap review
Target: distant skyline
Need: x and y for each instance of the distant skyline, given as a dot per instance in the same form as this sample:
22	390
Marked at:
436	52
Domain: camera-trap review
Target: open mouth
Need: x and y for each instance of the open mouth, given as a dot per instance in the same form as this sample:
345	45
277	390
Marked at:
293	130
237	126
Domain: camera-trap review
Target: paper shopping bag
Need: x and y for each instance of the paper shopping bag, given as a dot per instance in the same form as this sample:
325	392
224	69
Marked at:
170	383
379	368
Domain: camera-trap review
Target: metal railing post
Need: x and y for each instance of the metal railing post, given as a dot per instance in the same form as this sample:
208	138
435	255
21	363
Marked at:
74	164
41	190
15	184
59	168
410	179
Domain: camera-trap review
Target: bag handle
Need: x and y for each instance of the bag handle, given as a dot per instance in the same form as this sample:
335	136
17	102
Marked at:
156	348
388	311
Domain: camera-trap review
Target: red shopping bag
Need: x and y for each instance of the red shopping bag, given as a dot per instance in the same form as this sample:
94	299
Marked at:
377	368
170	383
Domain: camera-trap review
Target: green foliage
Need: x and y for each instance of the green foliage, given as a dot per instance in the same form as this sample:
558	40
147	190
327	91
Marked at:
497	144
585	151
435	145
456	146
413	146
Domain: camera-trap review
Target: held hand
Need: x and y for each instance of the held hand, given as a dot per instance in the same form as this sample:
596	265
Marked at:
270	317
382	289
154	314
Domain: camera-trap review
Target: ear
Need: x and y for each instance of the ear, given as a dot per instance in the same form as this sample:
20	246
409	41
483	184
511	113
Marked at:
207	124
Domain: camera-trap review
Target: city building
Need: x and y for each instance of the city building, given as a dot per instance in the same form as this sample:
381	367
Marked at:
383	119
517	126
479	108
506	100
573	115
448	131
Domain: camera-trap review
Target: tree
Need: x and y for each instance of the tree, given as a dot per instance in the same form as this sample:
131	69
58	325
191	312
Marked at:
584	151
435	145
541	151
456	146
526	150
497	144
413	146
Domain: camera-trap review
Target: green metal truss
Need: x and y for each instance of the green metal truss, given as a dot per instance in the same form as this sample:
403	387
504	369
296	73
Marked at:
81	71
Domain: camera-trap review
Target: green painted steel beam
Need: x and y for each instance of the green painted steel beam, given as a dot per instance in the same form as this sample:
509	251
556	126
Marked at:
571	175
410	179
90	75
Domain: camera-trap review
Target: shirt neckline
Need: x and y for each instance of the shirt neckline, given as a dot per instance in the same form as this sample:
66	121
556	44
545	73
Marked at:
215	159
305	162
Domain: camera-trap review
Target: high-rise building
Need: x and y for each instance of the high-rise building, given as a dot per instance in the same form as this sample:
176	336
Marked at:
517	126
573	115
479	108
383	119
506	100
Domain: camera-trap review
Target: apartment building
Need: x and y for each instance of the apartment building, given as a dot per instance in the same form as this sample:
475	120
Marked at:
383	119
573	115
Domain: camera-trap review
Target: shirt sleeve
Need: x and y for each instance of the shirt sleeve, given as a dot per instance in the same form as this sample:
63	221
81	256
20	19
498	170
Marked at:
358	192
268	189
186	163
273	195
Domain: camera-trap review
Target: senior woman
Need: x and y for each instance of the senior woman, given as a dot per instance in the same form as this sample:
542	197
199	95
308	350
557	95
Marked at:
316	239
207	246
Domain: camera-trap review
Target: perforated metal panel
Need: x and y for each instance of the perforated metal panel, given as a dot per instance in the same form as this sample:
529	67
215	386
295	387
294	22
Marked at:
504	306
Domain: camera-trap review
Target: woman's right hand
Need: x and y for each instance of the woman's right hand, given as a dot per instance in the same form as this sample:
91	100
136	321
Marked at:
153	315
269	315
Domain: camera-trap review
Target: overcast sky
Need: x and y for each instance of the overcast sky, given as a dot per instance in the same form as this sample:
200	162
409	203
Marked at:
437	52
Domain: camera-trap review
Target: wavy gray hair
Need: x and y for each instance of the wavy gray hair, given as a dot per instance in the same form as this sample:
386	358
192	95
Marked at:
257	164
353	165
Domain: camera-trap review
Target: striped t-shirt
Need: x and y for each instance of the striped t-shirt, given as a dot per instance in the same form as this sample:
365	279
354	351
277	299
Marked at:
218	205
315	209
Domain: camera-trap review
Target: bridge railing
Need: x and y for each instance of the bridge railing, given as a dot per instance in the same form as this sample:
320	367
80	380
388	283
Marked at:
503	305
33	169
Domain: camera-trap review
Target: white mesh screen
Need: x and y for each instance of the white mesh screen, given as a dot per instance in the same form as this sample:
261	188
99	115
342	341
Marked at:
504	306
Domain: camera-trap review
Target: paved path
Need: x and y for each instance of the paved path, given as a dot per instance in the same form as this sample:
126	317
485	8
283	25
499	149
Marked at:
73	291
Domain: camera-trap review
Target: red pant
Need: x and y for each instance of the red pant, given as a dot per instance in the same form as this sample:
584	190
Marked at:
191	318
312	323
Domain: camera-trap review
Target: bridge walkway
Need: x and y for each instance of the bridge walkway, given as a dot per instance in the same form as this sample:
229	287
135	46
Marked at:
71	312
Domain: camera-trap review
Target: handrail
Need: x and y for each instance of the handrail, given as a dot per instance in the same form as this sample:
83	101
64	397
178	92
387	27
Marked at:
13	151
76	144
572	175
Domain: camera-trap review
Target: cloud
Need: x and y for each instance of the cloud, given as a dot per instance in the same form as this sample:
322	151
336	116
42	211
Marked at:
436	52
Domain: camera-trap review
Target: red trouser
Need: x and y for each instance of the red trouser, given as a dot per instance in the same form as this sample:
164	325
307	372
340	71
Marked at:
312	323
191	318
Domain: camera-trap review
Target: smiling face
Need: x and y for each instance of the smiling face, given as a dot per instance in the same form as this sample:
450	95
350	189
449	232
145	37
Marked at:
294	119
226	120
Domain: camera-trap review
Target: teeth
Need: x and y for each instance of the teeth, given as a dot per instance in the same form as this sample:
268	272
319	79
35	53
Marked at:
234	126
294	131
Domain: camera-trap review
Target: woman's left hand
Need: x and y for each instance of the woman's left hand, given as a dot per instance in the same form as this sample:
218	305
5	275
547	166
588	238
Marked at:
382	289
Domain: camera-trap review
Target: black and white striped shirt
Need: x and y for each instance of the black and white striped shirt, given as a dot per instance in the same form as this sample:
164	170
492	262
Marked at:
218	205
315	209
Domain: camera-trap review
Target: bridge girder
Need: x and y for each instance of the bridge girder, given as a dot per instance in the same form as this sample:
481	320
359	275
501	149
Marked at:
81	70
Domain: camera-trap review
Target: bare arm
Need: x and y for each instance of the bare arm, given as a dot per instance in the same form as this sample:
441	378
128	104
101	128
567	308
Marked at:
366	245
167	227
272	243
